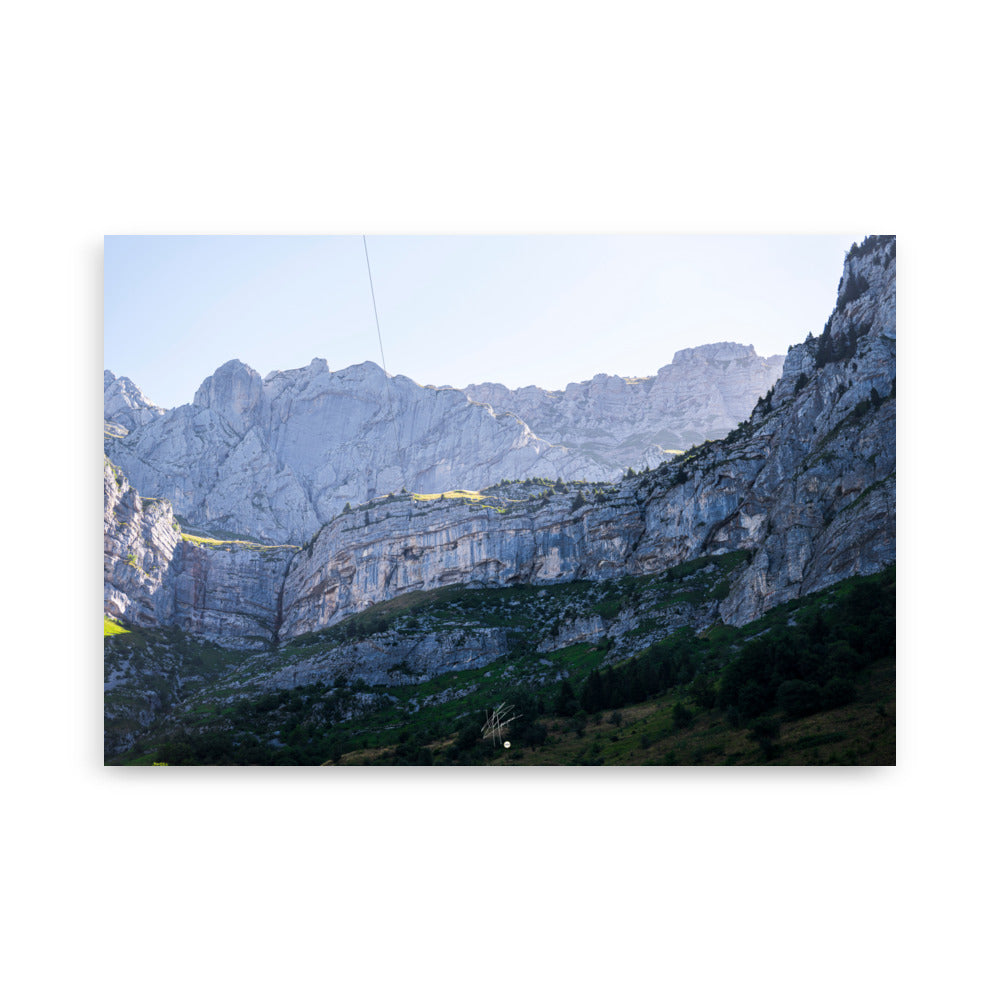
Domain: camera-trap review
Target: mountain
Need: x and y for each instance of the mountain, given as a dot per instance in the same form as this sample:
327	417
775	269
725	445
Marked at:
639	422
523	585
125	407
276	458
805	486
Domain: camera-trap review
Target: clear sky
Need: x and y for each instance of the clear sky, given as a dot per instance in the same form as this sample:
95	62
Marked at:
522	310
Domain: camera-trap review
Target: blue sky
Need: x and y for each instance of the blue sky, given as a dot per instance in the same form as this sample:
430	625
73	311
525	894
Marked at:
522	310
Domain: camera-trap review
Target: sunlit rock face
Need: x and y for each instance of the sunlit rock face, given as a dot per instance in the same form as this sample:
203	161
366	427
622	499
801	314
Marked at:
125	407
227	592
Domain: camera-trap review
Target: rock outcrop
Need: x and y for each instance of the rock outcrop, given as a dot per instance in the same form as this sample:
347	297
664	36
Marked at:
139	543
393	658
225	591
125	407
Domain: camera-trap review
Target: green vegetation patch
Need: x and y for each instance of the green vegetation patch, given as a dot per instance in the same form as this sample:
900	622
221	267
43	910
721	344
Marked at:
232	544
111	627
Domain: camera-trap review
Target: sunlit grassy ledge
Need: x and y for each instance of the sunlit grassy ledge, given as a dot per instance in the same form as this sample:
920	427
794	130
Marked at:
111	627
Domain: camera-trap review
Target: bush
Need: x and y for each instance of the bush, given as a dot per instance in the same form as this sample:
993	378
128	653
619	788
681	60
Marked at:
534	735
682	715
765	732
752	699
837	692
765	728
799	698
469	735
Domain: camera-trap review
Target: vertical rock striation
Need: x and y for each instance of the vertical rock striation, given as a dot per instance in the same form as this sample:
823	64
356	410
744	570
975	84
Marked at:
228	592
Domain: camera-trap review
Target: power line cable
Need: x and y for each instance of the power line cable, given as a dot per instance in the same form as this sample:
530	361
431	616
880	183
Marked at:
385	370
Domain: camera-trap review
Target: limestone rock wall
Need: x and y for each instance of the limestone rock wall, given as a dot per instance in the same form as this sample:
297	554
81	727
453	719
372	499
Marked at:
229	592
276	458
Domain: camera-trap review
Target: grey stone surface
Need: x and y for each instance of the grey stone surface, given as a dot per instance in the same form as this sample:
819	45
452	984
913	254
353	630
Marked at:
635	422
226	592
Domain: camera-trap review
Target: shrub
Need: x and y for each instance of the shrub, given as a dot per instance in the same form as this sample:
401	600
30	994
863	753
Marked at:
837	692
752	699
799	698
682	715
764	728
469	735
534	735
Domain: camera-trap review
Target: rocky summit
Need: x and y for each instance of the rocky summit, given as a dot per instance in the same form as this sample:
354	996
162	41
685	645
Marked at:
201	502
640	422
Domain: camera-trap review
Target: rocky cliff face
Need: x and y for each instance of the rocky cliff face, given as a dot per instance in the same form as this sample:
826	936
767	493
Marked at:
125	407
638	422
276	458
139	543
228	592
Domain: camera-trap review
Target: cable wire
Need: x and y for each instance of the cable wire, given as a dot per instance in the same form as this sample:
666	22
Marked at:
385	370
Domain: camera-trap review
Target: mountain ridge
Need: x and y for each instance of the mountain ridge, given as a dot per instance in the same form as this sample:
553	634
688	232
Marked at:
705	390
277	457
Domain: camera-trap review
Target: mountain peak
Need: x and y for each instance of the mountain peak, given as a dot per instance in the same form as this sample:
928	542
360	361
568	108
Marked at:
722	351
234	391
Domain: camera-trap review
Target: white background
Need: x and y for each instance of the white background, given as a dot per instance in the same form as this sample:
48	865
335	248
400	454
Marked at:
543	117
